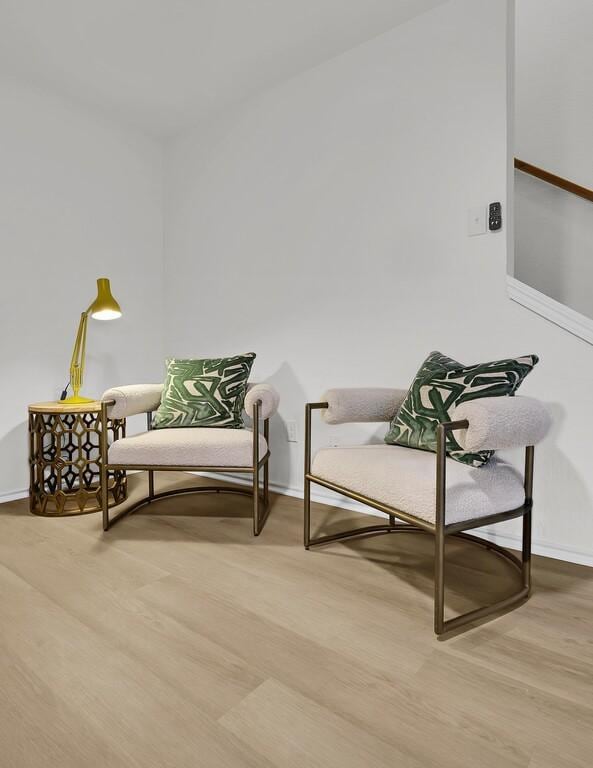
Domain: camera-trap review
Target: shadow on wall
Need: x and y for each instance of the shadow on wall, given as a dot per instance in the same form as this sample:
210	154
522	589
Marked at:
14	460
287	459
553	472
285	381
286	462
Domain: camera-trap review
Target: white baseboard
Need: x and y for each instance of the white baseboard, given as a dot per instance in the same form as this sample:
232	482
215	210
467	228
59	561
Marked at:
512	542
544	549
6	496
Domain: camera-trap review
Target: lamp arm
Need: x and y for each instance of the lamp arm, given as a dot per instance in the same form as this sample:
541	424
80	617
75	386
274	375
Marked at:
104	307
78	355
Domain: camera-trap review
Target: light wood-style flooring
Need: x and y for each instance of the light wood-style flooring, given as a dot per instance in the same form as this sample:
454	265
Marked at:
177	640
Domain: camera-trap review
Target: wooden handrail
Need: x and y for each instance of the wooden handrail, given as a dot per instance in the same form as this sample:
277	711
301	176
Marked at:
557	181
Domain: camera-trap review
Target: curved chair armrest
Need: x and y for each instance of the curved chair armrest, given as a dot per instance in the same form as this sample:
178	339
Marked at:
366	404
133	399
502	422
268	396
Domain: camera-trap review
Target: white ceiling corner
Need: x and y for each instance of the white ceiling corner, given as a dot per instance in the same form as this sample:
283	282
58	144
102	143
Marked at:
164	65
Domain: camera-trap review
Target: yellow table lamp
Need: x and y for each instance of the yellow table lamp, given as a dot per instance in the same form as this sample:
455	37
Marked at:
104	307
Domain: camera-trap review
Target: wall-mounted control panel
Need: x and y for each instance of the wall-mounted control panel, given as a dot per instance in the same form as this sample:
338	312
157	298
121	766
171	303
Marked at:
494	217
482	219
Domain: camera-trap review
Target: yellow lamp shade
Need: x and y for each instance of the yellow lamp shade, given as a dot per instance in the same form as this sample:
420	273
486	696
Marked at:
104	307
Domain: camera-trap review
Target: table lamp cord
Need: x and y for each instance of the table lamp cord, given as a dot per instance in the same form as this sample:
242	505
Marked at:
65	391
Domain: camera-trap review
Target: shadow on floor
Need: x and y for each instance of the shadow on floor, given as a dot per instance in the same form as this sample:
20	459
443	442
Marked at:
475	576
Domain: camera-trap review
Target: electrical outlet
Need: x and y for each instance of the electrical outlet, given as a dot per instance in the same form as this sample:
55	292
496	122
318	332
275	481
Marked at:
291	430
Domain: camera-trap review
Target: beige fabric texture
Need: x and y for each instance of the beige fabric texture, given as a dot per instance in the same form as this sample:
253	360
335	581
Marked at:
367	404
267	394
501	422
405	478
188	447
133	399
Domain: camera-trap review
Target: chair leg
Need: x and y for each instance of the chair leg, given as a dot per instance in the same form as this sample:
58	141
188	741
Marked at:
151	484
104	499
526	544
266	484
526	551
307	502
267	465
439	582
103	474
439	534
256	518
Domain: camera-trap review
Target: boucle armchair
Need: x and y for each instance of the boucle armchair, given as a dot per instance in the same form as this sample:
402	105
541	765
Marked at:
188	449
433	494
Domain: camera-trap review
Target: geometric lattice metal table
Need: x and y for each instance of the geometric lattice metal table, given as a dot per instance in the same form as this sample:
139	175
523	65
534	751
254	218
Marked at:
65	462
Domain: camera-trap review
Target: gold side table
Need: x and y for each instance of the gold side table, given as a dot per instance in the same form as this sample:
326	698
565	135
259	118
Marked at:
65	460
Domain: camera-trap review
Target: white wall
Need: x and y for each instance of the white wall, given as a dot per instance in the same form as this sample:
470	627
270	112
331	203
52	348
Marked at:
323	225
553	130
554	242
80	198
554	78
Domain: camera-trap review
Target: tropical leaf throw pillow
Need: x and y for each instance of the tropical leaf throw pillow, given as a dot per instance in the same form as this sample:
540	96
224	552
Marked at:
440	385
204	393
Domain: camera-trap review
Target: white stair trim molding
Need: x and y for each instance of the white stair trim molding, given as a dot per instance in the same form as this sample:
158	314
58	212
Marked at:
552	310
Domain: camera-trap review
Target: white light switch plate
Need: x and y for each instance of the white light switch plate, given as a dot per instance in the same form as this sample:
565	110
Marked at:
291	430
476	221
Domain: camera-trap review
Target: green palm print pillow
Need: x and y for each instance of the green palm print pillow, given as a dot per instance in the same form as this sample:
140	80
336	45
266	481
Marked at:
204	393
440	385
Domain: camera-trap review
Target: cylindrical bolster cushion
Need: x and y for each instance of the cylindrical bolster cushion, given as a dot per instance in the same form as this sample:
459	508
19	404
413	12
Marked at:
361	404
133	399
501	422
269	399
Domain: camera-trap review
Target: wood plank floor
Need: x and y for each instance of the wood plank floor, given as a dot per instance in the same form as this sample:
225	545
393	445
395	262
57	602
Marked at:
178	640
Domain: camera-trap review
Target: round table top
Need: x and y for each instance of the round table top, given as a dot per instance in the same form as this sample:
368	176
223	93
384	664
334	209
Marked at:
59	406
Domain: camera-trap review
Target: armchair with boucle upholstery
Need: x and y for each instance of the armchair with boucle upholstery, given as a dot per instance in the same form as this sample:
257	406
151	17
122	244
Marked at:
188	449
428	492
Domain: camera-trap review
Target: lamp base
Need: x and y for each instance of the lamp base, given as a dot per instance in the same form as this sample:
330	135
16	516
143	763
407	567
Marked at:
76	400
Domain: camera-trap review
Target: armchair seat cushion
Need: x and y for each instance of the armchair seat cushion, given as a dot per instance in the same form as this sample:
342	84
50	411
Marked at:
405	479
187	447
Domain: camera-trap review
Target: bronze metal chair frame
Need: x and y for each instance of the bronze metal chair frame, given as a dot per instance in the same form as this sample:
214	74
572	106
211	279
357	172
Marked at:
261	500
439	529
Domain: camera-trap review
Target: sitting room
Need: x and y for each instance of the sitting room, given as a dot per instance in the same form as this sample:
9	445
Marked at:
297	318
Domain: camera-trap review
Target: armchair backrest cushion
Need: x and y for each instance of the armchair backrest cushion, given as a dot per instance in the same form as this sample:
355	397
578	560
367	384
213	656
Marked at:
440	385
205	392
348	405
495	423
266	394
132	399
